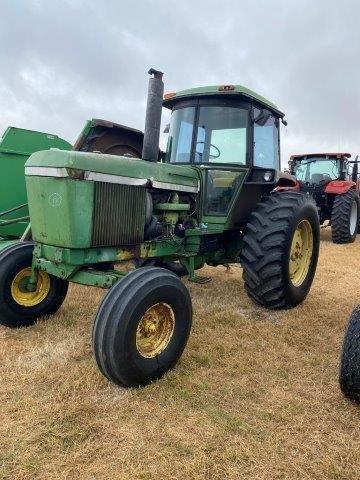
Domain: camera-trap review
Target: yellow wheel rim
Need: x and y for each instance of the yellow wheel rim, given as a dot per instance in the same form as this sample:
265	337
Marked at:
20	293
155	330
301	253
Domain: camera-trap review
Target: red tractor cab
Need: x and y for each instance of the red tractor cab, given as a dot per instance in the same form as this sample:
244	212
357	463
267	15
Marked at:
332	180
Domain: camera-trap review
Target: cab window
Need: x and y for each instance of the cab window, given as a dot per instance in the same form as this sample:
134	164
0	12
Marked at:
222	135
180	135
266	139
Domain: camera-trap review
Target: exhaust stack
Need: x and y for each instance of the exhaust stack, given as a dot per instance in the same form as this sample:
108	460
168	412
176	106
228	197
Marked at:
150	150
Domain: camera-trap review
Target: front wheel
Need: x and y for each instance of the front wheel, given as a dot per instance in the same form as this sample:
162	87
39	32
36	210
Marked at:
18	306
345	217
350	359
142	326
280	250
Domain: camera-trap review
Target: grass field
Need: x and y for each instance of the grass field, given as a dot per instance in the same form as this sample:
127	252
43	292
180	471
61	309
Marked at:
254	396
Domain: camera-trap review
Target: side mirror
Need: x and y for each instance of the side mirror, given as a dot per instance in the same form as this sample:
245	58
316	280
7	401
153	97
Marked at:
167	128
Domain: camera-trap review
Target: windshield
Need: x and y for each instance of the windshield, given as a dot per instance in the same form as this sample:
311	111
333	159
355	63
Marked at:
221	135
316	169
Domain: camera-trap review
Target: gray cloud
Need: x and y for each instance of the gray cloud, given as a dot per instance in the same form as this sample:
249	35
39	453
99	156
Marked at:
66	61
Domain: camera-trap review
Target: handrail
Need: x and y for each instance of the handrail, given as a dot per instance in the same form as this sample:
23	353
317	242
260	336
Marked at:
13	209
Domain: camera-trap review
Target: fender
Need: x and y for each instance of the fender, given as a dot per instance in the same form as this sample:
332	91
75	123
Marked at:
286	182
339	187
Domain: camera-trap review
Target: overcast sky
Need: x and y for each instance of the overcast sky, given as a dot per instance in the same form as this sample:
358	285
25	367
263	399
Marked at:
63	62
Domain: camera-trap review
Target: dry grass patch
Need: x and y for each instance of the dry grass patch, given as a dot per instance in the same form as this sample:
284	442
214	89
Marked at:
254	396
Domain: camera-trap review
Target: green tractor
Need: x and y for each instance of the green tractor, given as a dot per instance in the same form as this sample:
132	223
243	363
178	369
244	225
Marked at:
211	198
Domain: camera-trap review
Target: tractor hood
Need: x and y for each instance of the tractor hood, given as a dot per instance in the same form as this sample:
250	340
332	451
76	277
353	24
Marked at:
112	169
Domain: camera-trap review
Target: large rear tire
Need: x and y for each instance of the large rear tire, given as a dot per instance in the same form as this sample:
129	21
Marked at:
280	250
142	326
345	217
350	360
18	306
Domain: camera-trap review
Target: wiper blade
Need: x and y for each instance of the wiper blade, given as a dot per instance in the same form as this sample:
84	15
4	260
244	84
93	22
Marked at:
309	161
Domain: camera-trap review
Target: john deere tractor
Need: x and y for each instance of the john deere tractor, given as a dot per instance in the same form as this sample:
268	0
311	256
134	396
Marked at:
209	199
332	180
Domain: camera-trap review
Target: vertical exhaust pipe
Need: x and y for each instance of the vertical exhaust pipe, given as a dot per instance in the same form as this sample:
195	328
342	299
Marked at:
150	150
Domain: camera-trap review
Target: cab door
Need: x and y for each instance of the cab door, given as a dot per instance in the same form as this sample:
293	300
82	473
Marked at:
221	147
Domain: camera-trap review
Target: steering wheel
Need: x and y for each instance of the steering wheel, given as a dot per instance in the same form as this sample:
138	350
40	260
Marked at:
211	145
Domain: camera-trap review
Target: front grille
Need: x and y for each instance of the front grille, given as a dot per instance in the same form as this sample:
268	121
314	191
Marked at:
119	215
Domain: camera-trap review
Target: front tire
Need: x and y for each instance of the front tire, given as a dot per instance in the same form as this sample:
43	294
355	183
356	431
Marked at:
345	217
280	250
18	306
350	359
142	327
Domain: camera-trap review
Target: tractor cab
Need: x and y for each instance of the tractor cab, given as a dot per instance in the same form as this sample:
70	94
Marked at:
318	169
230	135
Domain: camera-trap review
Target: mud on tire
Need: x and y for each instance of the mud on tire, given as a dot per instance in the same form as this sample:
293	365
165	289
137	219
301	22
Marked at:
267	243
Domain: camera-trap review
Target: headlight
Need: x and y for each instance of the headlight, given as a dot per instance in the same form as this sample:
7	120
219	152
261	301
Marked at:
268	176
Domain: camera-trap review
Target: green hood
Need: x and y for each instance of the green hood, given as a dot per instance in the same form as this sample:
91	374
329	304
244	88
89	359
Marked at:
59	163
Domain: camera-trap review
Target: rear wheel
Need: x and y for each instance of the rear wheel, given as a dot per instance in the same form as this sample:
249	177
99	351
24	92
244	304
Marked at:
18	306
142	326
345	217
350	359
280	250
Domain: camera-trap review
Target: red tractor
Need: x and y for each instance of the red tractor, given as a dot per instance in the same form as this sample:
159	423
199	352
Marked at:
332	180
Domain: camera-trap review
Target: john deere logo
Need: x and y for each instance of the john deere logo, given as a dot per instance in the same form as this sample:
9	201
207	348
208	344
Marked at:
55	200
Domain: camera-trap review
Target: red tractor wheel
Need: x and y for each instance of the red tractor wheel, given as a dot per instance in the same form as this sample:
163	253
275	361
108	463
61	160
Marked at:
345	217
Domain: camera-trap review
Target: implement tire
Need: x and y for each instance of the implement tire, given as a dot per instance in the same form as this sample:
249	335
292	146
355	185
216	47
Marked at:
18	307
345	217
142	326
349	377
280	250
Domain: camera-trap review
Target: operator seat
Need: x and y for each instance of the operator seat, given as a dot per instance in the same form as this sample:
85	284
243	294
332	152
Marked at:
317	178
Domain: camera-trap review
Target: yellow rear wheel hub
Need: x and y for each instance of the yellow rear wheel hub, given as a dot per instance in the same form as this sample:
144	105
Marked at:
155	330
22	295
301	252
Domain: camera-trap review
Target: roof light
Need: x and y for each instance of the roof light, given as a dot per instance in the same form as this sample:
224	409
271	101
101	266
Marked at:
169	95
226	88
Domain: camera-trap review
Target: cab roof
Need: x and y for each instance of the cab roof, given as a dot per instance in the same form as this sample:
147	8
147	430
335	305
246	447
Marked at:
336	155
218	90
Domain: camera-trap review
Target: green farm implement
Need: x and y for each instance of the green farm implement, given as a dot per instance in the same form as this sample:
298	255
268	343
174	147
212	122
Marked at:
214	197
16	145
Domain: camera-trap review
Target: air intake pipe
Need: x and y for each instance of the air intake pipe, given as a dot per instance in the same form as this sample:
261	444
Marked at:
150	150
